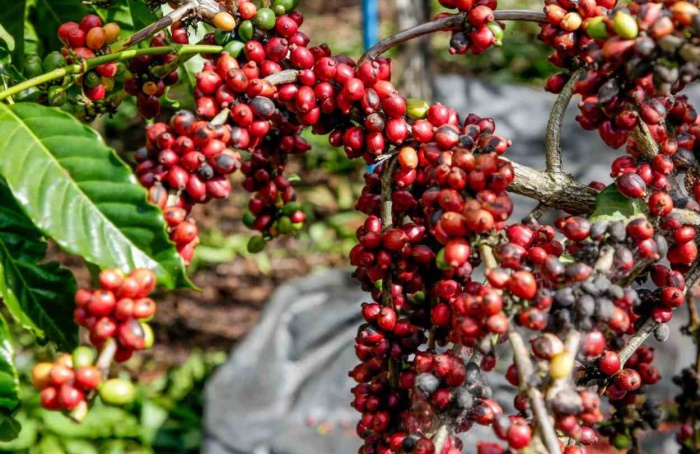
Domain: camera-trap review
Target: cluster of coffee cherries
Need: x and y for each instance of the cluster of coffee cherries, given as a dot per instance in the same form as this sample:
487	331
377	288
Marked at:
480	31
69	383
446	388
446	182
574	296
447	187
185	162
53	94
119	310
224	84
576	411
83	41
142	83
633	409
636	59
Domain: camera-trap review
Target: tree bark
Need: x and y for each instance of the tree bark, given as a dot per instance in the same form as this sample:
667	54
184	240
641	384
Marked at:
415	80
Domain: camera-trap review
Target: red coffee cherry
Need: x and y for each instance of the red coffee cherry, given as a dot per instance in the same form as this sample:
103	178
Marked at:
609	362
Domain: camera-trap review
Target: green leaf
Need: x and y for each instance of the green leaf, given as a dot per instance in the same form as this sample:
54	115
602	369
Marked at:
78	192
12	20
9	427
39	297
611	205
26	438
50	14
101	422
9	383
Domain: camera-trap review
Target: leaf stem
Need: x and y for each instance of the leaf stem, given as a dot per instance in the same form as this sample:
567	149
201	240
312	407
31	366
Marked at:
86	65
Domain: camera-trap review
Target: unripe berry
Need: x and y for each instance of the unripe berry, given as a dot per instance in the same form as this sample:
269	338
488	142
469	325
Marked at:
117	391
40	375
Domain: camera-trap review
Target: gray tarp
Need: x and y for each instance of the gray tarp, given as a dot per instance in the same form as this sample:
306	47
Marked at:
285	388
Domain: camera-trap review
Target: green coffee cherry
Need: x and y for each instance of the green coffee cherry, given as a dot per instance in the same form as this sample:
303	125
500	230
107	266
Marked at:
148	335
440	260
279	10
83	356
32	66
246	31
68	107
291	208
297	226
221	37
416	109
625	25
248	219
56	96
234	48
288	5
621	441
91	79
53	60
32	94
284	225
497	31
117	391
419	297
265	19
256	244
595	27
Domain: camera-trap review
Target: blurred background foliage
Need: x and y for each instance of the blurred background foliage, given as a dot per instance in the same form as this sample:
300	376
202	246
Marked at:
195	330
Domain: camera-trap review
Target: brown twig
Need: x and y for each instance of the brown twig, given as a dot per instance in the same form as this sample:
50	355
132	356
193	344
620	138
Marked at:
525	371
446	23
182	11
636	341
387	223
554	125
538	211
693	314
204	9
556	190
561	191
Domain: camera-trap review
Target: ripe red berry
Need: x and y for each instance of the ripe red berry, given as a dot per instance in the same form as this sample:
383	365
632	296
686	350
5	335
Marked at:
609	362
49	398
523	285
87	378
632	185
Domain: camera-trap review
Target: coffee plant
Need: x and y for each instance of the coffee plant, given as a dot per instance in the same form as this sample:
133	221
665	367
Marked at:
449	276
